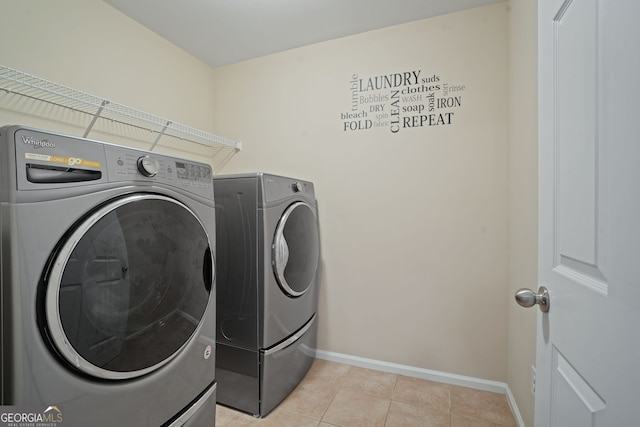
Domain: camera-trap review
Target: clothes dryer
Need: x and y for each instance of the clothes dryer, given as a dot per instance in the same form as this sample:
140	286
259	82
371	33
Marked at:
107	286
268	254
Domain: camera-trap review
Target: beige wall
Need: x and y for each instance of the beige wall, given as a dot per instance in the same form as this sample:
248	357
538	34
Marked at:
414	224
92	47
523	191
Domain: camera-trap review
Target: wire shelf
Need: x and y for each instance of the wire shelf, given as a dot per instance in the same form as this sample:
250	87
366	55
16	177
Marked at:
27	85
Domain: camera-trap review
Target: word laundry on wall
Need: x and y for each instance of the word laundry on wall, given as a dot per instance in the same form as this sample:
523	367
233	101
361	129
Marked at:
398	101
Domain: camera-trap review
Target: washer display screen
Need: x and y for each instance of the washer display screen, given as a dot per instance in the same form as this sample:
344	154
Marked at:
193	172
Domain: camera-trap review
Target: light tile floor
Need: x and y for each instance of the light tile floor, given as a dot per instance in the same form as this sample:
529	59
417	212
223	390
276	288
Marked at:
334	394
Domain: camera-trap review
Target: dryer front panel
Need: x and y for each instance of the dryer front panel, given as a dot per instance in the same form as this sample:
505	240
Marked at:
128	287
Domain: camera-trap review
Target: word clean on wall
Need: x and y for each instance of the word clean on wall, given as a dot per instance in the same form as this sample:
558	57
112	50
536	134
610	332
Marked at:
399	101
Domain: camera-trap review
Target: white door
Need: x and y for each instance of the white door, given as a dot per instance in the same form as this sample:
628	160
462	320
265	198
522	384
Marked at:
588	357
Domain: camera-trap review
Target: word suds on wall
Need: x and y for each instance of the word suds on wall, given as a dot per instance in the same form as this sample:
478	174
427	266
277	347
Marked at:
400	101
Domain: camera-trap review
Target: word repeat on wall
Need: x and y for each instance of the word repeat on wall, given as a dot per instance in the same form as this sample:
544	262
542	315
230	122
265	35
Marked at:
399	101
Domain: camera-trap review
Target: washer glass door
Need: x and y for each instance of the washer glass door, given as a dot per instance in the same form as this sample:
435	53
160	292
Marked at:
296	249
128	288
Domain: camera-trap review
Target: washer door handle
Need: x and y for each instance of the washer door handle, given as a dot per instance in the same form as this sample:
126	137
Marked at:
207	269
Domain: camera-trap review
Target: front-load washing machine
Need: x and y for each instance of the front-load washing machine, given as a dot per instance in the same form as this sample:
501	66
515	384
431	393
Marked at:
268	253
107	285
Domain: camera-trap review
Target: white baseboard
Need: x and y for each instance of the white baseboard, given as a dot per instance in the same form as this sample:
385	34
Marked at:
426	374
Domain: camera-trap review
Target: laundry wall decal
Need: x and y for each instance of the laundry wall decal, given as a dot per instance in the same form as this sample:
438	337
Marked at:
398	101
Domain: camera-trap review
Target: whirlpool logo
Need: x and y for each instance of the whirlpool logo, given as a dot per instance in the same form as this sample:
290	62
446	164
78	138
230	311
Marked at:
38	143
13	416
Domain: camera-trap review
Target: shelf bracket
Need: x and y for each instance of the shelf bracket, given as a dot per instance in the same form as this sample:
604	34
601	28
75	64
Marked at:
159	136
95	117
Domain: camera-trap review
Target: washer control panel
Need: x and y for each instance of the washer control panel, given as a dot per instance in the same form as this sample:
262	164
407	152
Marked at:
125	164
48	160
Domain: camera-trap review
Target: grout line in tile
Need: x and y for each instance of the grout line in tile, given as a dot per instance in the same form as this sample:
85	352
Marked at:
386	416
335	394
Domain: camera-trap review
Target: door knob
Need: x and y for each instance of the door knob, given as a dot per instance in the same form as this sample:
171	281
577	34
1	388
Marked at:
527	298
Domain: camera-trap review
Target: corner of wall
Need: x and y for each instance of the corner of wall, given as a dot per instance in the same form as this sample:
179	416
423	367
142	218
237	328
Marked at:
522	200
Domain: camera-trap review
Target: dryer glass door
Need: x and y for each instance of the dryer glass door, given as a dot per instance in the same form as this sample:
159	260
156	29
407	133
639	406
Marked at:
296	249
128	288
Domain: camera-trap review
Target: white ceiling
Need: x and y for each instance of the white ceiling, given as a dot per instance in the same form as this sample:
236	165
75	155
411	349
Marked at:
222	32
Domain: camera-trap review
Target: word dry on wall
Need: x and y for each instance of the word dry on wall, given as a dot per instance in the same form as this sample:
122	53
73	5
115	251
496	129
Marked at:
398	101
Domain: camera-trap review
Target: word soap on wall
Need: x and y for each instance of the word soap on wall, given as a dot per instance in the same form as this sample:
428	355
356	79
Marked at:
399	101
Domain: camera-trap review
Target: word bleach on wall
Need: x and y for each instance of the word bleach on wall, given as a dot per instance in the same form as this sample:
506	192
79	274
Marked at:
398	101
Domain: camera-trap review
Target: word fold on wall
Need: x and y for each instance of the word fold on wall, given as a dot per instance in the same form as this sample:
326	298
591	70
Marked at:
399	101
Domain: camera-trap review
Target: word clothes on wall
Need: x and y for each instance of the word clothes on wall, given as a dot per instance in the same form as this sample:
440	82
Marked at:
398	101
